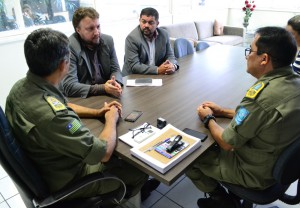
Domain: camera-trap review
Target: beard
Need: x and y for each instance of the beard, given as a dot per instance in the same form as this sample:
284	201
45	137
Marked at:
147	32
92	43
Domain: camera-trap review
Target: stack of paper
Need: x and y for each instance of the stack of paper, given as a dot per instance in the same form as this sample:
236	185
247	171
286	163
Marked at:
146	150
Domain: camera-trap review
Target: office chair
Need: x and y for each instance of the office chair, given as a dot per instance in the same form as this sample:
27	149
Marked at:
182	47
286	171
201	46
33	189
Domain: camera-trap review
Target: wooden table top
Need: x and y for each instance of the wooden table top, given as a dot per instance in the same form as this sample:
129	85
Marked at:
216	74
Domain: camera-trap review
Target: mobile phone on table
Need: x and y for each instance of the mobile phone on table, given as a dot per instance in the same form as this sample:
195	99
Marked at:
143	81
133	116
195	133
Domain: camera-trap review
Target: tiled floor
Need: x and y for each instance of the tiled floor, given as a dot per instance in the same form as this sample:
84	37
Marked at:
182	194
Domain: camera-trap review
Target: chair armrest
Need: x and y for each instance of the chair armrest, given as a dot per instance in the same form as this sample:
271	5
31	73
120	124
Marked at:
78	185
229	30
292	200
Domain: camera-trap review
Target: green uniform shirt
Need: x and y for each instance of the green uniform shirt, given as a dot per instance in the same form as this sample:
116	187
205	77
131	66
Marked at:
266	122
51	133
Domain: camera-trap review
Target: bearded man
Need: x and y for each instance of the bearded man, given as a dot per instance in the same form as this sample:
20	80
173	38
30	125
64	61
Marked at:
148	49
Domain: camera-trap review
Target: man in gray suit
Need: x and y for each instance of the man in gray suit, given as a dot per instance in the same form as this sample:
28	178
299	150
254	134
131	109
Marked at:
148	49
94	67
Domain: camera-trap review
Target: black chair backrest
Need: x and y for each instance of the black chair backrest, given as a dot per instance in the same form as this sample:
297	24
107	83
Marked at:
182	47
17	164
287	168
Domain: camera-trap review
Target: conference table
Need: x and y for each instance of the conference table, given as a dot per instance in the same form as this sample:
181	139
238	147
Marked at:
216	74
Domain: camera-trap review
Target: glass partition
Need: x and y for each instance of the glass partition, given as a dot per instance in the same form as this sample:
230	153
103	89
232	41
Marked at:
18	14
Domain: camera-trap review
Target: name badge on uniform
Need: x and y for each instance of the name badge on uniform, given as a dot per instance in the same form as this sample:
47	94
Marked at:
254	90
55	104
241	115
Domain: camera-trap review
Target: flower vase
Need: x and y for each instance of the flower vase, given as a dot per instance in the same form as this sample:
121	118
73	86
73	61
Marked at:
246	23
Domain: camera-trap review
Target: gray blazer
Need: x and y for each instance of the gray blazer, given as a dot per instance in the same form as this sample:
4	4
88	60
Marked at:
78	81
136	59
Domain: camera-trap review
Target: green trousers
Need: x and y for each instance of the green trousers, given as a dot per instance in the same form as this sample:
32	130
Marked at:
216	165
205	171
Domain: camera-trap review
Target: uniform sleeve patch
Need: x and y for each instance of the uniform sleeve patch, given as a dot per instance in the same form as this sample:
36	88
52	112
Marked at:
74	126
241	115
55	104
254	90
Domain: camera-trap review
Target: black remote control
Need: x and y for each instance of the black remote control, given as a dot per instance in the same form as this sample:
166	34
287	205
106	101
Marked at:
173	145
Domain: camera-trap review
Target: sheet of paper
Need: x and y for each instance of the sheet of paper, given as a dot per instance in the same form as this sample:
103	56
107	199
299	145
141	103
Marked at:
127	138
155	82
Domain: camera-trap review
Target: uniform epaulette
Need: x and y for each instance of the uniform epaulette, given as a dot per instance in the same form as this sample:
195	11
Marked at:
255	90
55	104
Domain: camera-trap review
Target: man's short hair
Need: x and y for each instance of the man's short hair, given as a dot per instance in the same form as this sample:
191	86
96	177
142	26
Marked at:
278	43
294	22
149	11
83	12
45	49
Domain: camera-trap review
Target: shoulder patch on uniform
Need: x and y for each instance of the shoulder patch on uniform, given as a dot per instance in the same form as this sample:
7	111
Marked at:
241	115
55	104
254	90
73	126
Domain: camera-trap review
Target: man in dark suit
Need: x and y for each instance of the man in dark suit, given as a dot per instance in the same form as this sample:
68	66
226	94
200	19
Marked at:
148	49
94	67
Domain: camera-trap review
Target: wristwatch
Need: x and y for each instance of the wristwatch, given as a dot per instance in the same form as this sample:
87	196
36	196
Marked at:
207	119
176	67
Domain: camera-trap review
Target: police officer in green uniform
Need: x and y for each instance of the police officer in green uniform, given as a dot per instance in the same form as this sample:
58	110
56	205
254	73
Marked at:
49	128
262	126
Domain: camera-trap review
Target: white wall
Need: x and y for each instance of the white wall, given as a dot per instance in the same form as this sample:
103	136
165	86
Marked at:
12	60
13	67
260	18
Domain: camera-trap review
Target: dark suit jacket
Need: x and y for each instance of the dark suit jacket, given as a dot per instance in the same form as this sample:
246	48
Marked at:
136	59
78	81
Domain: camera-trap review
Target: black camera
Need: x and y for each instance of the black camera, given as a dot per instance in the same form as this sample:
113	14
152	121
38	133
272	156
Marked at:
161	123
